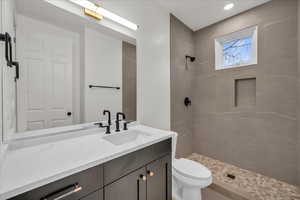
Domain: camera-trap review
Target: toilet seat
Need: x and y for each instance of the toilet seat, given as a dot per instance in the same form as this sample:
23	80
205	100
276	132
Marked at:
188	177
191	169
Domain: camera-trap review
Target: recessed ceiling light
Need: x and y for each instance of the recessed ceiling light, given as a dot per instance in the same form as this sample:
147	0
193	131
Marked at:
229	6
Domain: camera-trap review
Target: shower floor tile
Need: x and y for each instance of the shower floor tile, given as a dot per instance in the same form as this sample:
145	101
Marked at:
241	184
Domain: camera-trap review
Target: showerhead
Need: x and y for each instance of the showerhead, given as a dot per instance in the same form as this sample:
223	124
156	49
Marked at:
192	59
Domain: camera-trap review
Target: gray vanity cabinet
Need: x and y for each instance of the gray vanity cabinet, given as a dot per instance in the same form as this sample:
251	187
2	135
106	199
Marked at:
95	196
152	182
141	175
159	179
130	187
74	187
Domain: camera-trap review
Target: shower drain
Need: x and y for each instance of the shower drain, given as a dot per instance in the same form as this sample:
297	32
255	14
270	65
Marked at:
231	176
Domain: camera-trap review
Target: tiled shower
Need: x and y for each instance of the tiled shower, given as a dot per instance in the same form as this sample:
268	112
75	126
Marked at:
247	116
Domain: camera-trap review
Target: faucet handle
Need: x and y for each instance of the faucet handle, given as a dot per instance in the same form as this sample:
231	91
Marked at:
125	127
97	124
103	126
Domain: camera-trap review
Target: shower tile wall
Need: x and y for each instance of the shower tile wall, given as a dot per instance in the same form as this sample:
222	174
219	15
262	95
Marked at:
261	136
182	44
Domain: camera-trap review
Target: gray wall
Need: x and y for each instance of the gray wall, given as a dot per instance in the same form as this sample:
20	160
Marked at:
182	43
260	137
260	132
298	87
129	80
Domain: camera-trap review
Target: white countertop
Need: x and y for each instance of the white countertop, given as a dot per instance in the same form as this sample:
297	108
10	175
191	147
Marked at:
30	164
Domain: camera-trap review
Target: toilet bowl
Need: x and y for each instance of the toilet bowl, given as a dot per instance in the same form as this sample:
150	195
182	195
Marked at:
189	177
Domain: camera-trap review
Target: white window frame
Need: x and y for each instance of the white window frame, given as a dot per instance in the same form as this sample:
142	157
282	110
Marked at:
248	32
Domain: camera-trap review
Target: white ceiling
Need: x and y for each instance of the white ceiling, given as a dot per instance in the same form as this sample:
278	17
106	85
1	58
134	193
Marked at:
194	13
200	13
44	11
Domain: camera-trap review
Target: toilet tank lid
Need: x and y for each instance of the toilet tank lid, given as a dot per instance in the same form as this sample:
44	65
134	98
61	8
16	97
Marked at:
191	168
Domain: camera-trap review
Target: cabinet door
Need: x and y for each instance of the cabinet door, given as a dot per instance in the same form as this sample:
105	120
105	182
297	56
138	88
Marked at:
73	187
130	187
95	196
159	179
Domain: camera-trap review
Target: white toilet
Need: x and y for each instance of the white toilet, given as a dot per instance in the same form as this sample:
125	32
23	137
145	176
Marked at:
189	177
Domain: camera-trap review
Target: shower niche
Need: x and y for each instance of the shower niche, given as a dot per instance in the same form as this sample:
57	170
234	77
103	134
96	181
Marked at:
245	92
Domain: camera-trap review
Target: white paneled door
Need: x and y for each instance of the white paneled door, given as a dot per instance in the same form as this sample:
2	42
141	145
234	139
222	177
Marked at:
45	86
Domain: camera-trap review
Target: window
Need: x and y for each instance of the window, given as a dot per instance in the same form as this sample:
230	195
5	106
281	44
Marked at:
236	49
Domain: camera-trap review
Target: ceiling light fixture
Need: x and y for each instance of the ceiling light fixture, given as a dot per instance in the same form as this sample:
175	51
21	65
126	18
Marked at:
229	6
93	14
107	14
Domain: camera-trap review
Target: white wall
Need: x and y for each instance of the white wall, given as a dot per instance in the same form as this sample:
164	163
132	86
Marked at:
153	55
1	66
105	26
103	66
153	59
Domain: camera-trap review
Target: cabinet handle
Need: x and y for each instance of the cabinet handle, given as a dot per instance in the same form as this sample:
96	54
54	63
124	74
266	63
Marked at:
150	173
75	188
143	177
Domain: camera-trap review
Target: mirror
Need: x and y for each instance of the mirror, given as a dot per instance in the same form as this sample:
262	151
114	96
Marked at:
71	69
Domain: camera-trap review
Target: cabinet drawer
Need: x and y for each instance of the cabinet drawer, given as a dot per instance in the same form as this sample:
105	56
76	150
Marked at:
119	167
95	196
73	187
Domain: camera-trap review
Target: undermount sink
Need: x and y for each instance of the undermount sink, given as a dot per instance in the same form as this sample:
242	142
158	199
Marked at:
126	137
